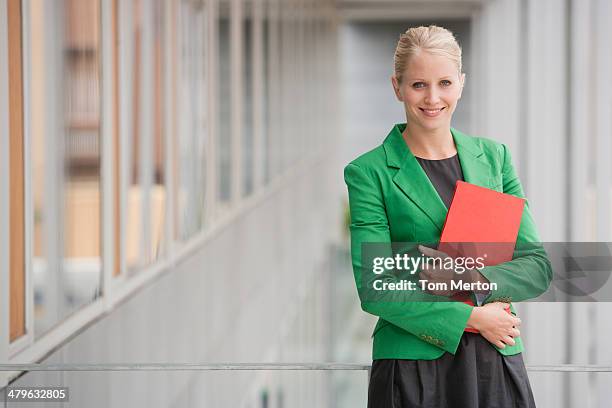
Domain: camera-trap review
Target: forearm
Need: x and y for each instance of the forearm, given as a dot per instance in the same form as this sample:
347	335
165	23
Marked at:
521	279
443	321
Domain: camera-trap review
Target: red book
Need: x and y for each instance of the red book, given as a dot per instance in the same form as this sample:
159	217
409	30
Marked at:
481	223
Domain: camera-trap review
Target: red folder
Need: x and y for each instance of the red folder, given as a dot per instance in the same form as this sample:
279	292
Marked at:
481	223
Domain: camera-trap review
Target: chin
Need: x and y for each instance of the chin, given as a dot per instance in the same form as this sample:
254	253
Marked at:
433	124
430	123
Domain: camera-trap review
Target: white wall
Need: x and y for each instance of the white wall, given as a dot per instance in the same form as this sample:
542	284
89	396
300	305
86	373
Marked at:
540	64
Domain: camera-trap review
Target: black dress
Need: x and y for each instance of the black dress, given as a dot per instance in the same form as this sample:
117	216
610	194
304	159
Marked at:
477	376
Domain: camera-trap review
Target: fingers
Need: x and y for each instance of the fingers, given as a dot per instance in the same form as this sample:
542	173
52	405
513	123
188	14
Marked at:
508	340
503	328
503	341
499	305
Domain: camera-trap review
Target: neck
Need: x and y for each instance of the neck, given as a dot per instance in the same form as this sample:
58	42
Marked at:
434	144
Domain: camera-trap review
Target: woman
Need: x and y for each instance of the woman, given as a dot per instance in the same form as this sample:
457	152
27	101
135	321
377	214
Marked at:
399	192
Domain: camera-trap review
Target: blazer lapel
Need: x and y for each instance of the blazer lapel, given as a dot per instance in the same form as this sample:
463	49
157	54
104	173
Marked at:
411	177
413	181
475	168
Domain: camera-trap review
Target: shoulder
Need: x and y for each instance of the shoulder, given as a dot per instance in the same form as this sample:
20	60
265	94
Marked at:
487	145
369	163
491	147
496	153
493	150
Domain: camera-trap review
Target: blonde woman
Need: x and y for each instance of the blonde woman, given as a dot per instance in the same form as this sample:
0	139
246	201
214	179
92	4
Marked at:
440	354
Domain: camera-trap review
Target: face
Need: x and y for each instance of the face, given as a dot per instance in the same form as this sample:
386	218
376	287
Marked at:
430	88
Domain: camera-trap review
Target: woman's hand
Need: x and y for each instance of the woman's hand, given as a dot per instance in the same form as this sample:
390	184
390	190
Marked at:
495	324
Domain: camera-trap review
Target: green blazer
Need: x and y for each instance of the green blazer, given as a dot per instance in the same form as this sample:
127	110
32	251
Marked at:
392	200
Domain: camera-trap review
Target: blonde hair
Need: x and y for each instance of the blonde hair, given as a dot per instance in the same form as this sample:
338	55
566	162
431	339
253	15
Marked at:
433	39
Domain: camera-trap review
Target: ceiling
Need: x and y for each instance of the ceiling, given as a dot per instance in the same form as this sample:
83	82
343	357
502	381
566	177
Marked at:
376	10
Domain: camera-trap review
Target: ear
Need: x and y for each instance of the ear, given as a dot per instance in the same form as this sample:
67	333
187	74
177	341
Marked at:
396	88
462	85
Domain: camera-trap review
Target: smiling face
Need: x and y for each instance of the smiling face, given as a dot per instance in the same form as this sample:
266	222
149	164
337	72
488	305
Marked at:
430	88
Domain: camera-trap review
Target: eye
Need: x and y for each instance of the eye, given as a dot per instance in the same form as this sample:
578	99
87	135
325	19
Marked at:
418	85
445	82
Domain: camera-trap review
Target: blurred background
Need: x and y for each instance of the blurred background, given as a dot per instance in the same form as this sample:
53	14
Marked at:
171	184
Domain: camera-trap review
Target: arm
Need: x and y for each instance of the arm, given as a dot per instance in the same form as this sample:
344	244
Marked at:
529	273
442	320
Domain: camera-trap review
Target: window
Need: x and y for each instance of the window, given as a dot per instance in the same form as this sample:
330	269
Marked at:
134	225
274	86
158	192
266	119
118	248
224	129
192	136
144	194
64	59
248	153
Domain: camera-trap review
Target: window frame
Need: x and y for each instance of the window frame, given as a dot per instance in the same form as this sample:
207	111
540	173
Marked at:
146	126
212	187
257	47
18	198
4	191
28	348
124	122
110	148
110	63
169	124
236	16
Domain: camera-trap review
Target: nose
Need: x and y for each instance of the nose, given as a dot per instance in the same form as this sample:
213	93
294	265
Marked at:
432	97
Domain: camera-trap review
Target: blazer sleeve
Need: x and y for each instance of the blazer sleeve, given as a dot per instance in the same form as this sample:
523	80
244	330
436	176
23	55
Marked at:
440	323
529	273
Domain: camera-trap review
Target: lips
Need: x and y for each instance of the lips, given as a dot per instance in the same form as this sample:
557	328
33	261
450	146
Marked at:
432	112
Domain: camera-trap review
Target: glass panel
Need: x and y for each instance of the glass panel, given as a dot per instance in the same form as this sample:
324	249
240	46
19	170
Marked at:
144	138
286	63
247	101
266	128
134	251
82	263
158	191
43	316
337	388
224	145
66	214
193	123
225	388
273	82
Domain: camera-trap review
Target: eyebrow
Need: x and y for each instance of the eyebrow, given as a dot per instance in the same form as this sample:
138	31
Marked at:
421	79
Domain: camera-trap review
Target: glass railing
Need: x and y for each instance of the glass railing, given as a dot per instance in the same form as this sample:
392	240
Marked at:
257	385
